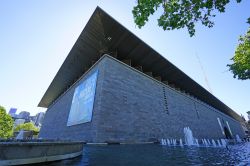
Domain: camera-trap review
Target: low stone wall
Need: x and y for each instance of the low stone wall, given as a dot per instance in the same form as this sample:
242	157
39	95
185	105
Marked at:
14	153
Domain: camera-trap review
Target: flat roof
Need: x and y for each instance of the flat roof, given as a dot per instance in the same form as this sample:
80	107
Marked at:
103	34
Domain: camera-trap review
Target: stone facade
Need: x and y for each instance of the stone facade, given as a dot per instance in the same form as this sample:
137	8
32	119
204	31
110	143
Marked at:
133	107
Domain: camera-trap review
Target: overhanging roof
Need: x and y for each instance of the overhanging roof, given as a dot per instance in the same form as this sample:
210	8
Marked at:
103	33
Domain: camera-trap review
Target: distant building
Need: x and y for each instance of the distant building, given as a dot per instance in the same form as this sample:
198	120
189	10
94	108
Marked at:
24	115
12	112
18	122
39	119
33	119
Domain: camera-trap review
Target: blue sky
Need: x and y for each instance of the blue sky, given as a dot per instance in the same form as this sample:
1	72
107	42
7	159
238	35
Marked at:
36	36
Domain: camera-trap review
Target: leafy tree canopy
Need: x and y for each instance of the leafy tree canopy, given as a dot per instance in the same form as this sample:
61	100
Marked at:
6	124
241	60
26	126
185	14
179	13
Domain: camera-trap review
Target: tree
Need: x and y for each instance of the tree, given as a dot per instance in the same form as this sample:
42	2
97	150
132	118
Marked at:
179	13
26	126
241	66
185	14
6	124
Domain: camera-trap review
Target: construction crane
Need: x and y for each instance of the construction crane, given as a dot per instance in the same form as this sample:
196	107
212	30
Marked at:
204	74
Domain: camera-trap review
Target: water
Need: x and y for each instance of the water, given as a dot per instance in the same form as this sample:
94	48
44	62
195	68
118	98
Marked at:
238	138
158	155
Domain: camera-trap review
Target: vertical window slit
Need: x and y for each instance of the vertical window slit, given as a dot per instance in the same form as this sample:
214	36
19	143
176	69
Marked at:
197	112
165	100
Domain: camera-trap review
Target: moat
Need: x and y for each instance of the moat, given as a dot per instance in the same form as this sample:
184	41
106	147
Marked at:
153	154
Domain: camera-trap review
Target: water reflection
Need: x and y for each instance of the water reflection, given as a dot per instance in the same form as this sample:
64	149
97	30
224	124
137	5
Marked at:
151	155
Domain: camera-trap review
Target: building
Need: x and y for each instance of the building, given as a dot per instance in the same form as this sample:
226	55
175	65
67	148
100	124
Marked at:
12	112
114	87
248	115
24	115
33	119
244	125
39	119
18	122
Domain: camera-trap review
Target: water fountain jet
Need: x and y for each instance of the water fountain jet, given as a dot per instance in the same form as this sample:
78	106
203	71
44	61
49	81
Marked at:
189	139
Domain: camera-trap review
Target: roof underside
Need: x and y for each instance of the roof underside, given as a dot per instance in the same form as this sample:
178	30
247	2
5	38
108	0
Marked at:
103	34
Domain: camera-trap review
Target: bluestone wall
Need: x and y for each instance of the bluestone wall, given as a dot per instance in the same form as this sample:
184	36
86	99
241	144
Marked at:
133	107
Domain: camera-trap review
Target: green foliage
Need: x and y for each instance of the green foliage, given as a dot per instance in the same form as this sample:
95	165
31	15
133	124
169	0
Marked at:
26	126
185	14
241	66
179	13
6	124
